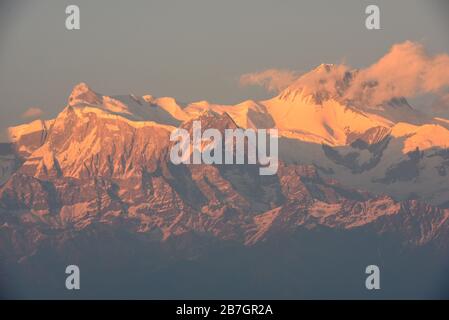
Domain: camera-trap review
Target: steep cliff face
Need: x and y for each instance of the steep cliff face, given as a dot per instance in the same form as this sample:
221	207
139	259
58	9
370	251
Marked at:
101	170
93	165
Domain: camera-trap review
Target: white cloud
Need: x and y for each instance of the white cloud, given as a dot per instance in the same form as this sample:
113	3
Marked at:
407	70
32	112
271	79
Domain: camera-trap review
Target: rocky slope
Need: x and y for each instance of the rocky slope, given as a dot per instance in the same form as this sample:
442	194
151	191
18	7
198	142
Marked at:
103	164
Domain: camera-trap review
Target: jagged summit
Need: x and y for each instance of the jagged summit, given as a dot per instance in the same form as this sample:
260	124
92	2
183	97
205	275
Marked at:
331	99
83	94
340	83
80	88
163	111
210	119
325	66
325	82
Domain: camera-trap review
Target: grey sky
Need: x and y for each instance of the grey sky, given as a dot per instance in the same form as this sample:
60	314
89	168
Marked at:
191	50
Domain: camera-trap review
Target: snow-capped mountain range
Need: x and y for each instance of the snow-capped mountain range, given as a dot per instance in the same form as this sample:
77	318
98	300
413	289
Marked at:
344	164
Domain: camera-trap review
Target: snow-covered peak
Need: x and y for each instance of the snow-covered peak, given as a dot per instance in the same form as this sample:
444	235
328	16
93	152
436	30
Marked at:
325	67
325	82
83	94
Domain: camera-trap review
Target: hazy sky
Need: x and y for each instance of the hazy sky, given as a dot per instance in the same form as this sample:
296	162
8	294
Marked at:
191	50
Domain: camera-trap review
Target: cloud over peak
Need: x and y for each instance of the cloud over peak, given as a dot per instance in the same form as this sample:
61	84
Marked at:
32	112
272	79
407	70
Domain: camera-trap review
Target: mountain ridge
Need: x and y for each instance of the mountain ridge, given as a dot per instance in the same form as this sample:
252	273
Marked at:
97	181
